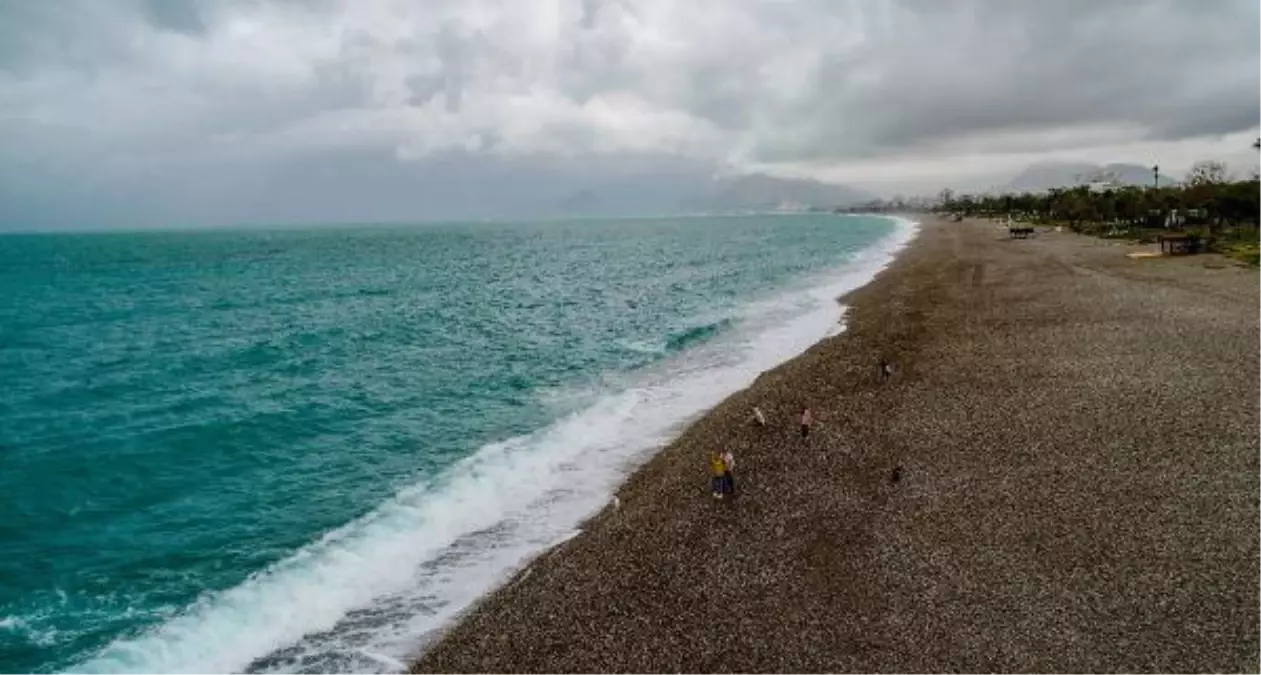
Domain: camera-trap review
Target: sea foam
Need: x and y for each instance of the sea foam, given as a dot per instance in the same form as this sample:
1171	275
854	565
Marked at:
368	595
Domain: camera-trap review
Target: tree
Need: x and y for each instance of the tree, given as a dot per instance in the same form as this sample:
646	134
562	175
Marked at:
967	205
1131	205
1206	172
1077	205
1239	202
1209	198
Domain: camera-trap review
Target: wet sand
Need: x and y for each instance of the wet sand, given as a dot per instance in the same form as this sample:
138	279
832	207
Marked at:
1078	440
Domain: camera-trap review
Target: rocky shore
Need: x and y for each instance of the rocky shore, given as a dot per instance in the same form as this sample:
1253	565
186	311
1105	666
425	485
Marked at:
1060	475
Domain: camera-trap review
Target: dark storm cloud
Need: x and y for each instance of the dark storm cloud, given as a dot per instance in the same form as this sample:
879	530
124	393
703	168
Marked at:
36	37
183	16
943	71
102	99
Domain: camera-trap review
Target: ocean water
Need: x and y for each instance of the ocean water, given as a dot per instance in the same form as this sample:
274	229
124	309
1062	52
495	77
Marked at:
307	450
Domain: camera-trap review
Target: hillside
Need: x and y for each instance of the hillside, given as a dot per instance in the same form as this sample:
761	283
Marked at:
1045	176
759	191
654	193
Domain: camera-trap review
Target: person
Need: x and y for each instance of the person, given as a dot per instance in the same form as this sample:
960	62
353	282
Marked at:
728	480
806	420
758	418
718	469
886	369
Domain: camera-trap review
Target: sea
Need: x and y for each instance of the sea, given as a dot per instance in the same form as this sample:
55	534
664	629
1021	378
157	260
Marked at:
309	449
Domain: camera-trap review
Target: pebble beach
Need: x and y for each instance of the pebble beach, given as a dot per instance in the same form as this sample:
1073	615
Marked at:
1060	475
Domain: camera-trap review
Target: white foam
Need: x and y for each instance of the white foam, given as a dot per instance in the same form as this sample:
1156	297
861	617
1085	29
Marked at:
642	347
41	637
367	594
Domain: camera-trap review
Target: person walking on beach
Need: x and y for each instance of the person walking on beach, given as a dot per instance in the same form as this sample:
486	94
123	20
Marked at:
718	472
728	479
886	369
758	418
806	420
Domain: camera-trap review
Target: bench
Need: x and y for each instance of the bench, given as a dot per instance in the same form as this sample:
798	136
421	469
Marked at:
1019	231
1179	243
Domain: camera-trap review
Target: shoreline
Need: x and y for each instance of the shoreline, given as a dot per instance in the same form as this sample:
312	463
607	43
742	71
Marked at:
824	563
825	289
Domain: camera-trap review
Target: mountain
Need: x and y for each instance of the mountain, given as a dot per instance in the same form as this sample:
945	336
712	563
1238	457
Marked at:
760	192
1045	176
696	191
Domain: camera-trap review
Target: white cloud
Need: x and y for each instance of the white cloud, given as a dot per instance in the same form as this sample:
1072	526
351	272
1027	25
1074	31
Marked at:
837	88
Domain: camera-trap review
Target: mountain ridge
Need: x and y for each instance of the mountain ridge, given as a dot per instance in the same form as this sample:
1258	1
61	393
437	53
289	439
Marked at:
710	193
1046	175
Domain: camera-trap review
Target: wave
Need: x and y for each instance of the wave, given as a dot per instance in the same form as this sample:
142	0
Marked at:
677	341
367	595
639	347
37	636
686	338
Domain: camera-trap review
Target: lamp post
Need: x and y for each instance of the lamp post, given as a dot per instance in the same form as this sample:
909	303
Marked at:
1156	176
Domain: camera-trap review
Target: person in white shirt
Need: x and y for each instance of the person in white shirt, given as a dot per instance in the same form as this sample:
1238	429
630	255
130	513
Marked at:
758	418
728	480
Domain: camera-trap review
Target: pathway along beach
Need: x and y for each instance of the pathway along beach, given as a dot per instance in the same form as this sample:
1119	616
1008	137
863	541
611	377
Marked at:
1078	440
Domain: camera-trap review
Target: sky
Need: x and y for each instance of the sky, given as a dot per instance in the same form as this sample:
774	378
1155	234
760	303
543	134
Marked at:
139	112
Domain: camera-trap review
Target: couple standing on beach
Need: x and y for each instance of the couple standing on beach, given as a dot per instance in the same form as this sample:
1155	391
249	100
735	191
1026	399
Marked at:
721	464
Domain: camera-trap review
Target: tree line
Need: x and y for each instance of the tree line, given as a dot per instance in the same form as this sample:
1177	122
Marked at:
1206	200
1211	202
1224	212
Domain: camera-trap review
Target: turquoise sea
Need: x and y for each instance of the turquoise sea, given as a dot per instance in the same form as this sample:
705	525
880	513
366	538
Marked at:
307	449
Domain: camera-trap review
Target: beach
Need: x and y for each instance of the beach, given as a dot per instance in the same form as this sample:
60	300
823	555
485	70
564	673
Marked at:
1060	475
462	396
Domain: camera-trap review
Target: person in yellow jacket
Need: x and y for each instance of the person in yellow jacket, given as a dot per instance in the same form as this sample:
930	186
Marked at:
718	472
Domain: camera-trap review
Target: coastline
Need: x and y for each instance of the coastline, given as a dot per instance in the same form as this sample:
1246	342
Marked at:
992	552
392	577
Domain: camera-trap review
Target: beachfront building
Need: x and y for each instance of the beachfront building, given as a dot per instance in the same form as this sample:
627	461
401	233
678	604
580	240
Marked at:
1099	186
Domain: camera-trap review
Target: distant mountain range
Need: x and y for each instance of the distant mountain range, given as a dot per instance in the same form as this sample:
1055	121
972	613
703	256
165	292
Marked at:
759	191
706	193
1045	176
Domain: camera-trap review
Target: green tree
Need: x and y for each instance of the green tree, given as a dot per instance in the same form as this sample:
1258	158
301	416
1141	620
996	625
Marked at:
1208	198
966	205
1131	205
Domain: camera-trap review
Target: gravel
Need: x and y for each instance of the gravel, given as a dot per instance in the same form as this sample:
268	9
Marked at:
1075	438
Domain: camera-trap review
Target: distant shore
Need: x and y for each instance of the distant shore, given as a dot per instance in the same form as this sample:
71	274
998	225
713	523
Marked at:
1061	475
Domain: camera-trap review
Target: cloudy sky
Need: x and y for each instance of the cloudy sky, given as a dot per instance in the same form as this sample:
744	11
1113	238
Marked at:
208	111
